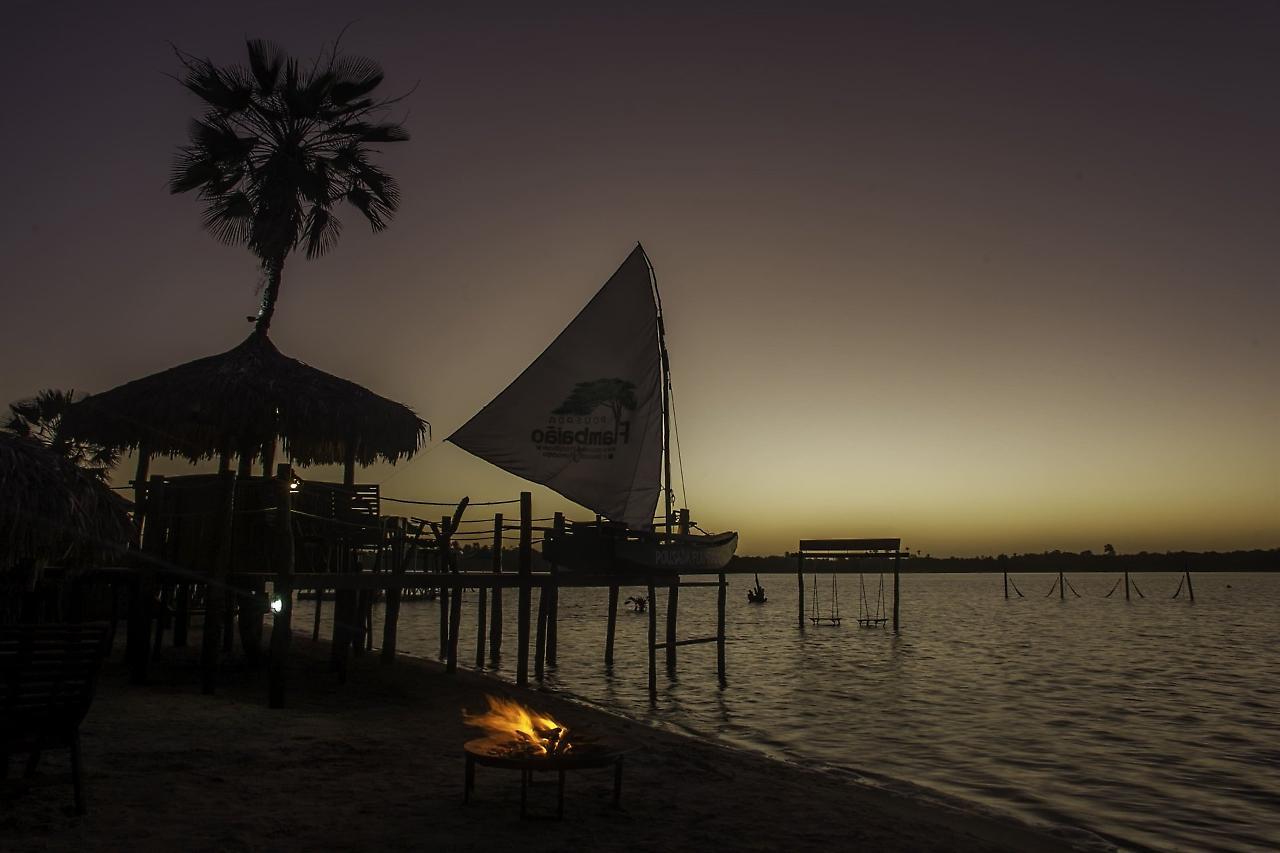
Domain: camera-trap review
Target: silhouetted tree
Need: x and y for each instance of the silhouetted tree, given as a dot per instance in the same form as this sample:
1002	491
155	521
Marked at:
617	394
1109	550
39	418
279	146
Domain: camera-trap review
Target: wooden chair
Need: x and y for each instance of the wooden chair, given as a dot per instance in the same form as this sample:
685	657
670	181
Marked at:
47	678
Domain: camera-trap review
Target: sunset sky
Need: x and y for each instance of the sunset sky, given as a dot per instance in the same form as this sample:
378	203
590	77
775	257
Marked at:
984	278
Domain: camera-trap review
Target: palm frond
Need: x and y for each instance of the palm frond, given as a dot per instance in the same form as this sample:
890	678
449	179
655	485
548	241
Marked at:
322	231
266	59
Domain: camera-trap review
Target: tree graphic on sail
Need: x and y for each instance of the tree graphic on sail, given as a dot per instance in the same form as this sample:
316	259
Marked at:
586	397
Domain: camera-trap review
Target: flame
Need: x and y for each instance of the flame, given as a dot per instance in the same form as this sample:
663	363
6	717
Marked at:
509	722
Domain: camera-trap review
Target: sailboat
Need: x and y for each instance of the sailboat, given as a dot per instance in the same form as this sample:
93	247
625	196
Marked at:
590	418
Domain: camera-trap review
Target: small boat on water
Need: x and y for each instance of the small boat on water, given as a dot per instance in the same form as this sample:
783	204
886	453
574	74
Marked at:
756	595
591	419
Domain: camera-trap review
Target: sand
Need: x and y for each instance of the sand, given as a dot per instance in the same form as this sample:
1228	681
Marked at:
376	764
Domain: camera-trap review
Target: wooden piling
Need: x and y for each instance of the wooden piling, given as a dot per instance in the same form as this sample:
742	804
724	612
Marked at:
315	618
897	571
445	594
1190	590
455	603
1062	588
143	606
800	590
215	590
540	635
721	596
1126	586
1006	586
391	614
613	624
673	605
482	612
495	595
282	626
653	644
553	610
525	569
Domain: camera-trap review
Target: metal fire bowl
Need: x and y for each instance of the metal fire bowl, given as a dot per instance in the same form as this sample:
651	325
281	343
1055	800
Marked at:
581	757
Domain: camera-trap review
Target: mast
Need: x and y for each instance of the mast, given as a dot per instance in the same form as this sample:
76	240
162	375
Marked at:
666	400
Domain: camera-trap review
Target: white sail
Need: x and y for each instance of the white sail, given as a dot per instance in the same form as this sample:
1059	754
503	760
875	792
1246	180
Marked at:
585	418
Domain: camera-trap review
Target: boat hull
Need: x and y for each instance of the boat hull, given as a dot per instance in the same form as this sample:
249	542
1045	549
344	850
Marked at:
609	551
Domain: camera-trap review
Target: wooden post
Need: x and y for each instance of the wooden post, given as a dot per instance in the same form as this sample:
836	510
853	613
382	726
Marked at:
181	615
721	595
143	606
282	626
673	606
1062	588
1126	586
1006	586
540	634
553	611
455	603
495	615
216	590
349	464
391	616
315	620
140	484
897	565
613	624
482	604
800	589
445	594
268	457
1190	591
653	644
525	568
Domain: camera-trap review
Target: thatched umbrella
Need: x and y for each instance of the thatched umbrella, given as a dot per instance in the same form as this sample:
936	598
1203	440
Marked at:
241	401
50	511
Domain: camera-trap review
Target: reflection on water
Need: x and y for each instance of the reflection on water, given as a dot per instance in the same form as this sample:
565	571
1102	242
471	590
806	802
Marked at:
1152	722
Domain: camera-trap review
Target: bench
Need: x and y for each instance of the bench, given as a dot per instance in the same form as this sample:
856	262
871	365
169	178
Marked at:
47	678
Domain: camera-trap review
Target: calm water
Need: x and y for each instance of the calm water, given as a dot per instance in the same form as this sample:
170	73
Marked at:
1151	723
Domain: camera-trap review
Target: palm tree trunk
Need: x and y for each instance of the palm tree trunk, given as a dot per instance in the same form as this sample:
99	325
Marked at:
275	269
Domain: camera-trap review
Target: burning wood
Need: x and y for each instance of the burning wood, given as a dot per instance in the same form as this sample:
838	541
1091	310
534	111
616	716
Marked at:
518	731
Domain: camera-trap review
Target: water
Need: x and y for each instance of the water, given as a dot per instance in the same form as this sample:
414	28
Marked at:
1154	722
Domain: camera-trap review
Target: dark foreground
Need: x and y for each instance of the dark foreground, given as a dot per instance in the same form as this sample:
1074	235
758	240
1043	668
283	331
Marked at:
377	765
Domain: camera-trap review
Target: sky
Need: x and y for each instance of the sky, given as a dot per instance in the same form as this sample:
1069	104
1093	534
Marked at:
989	277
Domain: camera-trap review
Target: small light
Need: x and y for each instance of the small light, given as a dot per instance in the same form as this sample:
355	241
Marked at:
293	485
277	604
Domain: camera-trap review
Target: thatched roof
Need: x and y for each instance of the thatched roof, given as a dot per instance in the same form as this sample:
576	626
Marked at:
49	508
242	399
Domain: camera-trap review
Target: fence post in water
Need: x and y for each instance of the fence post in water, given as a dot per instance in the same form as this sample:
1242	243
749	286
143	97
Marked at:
391	618
495	616
800	589
455	601
553	613
482	607
653	644
1062	588
1190	591
721	594
897	566
673	607
1006	586
525	568
445	593
613	623
1126	586
540	633
282	625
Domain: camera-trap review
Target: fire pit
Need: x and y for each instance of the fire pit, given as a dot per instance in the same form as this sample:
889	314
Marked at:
522	739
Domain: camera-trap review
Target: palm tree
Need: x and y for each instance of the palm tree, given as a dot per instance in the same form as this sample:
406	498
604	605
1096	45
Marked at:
39	419
279	147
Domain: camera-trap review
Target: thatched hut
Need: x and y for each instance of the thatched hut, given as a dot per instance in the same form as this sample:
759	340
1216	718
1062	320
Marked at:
50	512
238	403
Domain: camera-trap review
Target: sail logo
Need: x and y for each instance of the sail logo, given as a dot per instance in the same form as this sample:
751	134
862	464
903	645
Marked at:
575	431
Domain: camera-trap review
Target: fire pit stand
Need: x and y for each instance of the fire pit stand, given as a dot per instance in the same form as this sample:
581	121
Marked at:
482	751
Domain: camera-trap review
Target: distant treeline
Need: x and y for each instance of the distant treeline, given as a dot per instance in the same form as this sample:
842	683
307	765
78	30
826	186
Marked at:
1058	561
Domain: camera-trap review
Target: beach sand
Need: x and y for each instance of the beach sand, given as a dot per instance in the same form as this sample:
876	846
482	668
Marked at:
376	764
